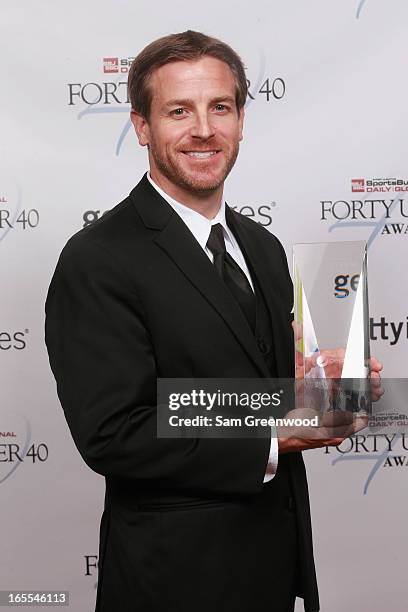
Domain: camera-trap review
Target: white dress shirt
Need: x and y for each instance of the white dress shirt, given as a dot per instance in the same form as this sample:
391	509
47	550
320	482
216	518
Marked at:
200	227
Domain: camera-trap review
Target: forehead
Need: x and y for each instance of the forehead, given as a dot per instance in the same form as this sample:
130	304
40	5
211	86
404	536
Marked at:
206	76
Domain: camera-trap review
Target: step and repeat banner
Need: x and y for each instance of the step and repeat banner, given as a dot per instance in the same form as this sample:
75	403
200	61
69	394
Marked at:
324	158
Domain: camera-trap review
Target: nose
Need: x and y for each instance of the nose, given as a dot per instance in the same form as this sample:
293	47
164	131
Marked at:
202	126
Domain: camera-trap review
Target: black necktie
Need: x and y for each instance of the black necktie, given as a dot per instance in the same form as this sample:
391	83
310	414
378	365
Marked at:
232	275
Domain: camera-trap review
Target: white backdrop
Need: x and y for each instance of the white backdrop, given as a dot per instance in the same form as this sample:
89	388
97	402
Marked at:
327	114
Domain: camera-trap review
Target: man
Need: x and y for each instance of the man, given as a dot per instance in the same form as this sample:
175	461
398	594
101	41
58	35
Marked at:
173	283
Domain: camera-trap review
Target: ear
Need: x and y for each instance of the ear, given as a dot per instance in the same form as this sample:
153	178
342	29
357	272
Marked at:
241	122
141	128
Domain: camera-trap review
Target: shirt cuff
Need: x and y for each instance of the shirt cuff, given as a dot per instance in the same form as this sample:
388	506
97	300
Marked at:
272	465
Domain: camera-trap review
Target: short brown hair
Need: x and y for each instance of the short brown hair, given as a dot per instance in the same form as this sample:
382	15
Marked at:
184	46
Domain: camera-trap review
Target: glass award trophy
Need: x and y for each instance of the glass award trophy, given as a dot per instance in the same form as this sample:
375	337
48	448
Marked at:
332	324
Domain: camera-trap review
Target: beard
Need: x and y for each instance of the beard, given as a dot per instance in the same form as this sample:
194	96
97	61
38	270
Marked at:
201	181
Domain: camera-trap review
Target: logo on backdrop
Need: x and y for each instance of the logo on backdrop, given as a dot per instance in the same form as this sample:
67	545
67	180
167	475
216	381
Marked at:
111	96
91	564
390	332
91	567
262	213
379	185
381	451
12	215
380	328
26	219
344	283
114	65
90	216
13	340
378	207
17	446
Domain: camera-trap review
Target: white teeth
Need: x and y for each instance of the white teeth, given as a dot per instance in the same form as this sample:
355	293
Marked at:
200	154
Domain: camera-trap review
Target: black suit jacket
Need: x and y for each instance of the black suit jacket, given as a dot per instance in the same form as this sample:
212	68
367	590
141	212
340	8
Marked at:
133	298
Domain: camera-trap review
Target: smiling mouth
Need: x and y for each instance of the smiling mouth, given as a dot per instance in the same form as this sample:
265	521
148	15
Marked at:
200	154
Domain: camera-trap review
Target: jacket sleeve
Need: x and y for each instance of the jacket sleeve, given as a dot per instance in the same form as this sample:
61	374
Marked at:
103	360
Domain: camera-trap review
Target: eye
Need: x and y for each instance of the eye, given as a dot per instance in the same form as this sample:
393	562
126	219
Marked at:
178	112
221	107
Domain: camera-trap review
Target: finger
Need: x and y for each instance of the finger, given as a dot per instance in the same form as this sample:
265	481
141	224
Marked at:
334	355
360	423
337	418
376	388
294	444
297	330
333	441
377	394
375	365
299	358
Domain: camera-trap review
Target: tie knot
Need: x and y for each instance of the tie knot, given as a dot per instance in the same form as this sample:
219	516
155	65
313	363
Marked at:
216	242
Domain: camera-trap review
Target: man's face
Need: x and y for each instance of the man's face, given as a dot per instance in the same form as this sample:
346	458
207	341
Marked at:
194	128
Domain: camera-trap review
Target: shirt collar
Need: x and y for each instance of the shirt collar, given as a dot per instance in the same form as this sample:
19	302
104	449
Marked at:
198	225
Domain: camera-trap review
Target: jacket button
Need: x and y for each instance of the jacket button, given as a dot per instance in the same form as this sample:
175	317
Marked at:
263	347
291	506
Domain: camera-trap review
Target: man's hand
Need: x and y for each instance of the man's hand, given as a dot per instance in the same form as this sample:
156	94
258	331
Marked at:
297	445
333	427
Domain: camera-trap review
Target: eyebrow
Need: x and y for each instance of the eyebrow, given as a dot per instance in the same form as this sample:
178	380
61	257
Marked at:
189	102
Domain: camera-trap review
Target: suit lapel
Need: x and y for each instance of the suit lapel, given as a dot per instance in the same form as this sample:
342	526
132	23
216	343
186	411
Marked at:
268	283
180	245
